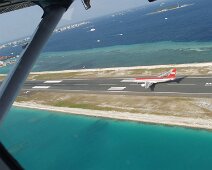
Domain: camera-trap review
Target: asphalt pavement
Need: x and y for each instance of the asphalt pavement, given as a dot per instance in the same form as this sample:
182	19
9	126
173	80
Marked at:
200	86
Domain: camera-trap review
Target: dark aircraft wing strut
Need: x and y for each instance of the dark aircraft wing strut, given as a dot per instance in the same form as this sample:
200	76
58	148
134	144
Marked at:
12	84
15	79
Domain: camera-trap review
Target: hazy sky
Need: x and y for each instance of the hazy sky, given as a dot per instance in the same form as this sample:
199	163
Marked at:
23	22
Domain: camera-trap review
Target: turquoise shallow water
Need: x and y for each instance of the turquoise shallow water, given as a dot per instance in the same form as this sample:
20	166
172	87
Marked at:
46	140
127	55
156	53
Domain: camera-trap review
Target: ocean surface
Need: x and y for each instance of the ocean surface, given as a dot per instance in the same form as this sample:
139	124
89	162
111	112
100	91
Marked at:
46	140
132	38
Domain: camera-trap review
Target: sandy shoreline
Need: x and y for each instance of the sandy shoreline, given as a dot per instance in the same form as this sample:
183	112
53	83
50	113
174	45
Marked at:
197	123
129	68
183	69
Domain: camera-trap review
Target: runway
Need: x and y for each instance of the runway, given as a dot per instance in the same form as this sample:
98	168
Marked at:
200	86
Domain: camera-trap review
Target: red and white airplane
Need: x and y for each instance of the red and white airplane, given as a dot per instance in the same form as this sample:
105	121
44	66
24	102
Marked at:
147	82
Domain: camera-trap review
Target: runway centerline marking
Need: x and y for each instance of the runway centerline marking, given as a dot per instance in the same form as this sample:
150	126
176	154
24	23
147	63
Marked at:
40	87
76	79
53	81
116	88
80	84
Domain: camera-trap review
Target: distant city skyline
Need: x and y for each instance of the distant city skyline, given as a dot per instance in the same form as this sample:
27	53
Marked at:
21	23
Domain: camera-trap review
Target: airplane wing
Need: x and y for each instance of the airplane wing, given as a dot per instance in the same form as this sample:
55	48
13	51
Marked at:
12	5
148	84
9	5
145	84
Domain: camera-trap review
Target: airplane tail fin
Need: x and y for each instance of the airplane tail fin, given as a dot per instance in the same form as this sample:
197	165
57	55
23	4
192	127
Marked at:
169	74
172	73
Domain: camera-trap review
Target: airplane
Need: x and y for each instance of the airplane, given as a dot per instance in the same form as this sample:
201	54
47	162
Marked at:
150	82
53	11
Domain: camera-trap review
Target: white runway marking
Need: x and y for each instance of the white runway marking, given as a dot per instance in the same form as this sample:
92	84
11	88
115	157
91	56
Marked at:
80	84
128	80
76	79
116	88
208	84
107	84
40	87
53	81
181	84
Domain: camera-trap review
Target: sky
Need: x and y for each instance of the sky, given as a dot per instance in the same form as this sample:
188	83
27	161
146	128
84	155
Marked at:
23	22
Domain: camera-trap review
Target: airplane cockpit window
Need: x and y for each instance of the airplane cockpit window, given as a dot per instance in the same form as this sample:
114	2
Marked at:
112	84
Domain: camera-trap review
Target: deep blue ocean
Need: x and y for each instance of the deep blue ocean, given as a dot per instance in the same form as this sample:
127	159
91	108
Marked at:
132	38
42	140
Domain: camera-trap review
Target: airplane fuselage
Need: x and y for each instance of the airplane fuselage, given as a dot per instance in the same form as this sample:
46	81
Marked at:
149	81
153	80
